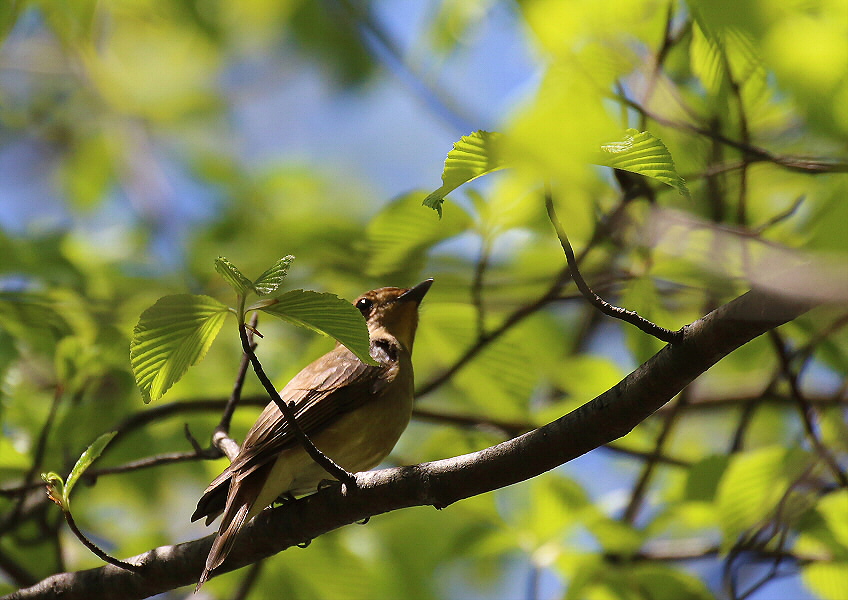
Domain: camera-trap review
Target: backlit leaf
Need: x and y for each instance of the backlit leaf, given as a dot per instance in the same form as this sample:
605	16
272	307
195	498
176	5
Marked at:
86	458
241	284
170	336
642	153
271	280
327	314
472	156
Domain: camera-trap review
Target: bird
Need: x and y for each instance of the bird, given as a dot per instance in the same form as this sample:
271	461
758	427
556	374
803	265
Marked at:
352	411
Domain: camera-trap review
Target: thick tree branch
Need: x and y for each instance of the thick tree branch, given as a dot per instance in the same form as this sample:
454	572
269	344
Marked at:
441	483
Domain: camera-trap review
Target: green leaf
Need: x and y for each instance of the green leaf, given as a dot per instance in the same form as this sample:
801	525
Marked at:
241	284
472	156
170	336
55	488
753	485
398	237
86	458
327	314
829	580
31	316
642	153
271	280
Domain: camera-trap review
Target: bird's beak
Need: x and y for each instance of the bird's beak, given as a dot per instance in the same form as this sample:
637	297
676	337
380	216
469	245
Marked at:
416	294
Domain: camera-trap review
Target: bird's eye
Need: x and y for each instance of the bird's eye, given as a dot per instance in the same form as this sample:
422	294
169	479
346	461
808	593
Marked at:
364	305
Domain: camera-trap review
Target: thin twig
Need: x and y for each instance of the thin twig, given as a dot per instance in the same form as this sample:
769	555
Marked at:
94	549
553	294
235	395
288	412
666	335
782	216
221	439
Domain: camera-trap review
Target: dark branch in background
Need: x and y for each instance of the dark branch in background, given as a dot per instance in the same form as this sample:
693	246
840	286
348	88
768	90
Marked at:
806	411
605	307
441	483
38	459
477	286
249	581
553	294
800	164
18	574
641	487
288	412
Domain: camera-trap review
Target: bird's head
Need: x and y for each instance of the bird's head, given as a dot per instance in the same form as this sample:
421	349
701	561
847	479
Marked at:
393	311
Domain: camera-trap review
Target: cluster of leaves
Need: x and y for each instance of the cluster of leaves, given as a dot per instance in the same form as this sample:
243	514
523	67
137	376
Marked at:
728	475
178	330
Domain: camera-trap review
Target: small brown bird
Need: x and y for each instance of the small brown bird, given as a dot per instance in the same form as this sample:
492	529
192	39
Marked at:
353	412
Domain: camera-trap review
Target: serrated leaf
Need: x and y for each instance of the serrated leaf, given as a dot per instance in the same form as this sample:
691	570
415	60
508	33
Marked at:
472	156
271	280
170	336
752	486
398	237
327	314
642	153
86	458
241	284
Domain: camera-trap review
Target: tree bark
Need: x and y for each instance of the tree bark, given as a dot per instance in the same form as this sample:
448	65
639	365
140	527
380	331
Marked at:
441	483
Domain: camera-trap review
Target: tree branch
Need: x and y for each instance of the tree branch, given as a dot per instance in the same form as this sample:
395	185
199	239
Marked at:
441	483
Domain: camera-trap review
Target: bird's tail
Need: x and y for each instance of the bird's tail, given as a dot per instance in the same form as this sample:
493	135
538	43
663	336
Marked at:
240	500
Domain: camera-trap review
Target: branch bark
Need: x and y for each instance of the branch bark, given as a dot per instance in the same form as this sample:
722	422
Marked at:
441	483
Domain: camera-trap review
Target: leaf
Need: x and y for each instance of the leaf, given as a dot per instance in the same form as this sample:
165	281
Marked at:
327	314
170	336
829	580
472	156
241	284
86	458
398	237
642	153
271	280
753	485
55	488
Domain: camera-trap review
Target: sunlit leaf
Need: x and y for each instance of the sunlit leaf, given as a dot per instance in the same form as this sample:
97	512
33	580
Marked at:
170	336
241	284
327	314
827	579
399	236
271	280
472	156
642	153
86	458
752	486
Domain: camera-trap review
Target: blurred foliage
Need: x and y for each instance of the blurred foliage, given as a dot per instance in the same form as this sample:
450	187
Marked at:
117	127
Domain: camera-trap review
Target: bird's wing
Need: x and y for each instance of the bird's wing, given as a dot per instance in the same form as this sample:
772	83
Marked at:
335	384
